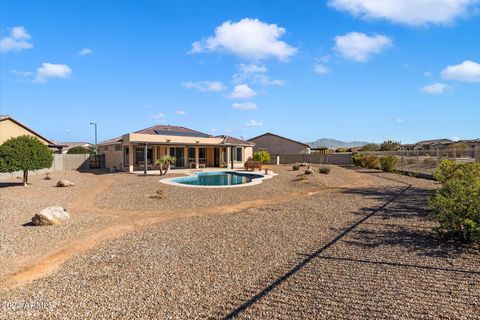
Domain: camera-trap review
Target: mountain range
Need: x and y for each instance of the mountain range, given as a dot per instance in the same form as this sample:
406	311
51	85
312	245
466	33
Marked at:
333	144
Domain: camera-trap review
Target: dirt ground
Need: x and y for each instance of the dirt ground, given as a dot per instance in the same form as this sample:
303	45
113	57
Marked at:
262	251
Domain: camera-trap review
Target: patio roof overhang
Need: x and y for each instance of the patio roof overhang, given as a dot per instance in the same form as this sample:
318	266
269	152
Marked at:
138	138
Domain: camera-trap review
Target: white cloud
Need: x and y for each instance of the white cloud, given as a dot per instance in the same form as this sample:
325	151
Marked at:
255	73
254	123
410	12
436	88
16	41
247	38
50	70
244	105
205	86
85	52
321	69
400	120
467	71
21	73
359	46
158	116
427	73
181	112
242	91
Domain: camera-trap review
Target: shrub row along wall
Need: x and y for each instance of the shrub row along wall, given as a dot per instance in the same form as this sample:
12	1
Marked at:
60	162
341	159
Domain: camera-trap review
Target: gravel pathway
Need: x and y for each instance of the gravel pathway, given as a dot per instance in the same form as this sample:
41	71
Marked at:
389	266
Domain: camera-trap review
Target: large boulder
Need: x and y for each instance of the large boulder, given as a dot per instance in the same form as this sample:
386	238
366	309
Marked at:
65	183
50	216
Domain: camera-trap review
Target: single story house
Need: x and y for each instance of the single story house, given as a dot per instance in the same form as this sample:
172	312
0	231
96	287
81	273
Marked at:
71	145
140	149
278	145
427	145
11	128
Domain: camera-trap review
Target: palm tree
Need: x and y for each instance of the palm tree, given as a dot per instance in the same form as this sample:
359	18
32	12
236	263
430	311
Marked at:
164	163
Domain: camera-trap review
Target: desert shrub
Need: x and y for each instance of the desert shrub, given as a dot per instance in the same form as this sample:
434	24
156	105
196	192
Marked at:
456	206
324	170
370	147
296	167
357	159
390	145
79	150
431	162
341	150
24	153
388	163
262	156
47	176
411	160
370	162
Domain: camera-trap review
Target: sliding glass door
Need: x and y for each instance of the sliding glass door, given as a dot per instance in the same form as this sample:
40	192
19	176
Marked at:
179	153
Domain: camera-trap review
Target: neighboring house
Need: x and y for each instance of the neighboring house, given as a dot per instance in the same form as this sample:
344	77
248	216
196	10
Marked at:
70	145
432	144
132	151
10	128
473	143
278	145
320	150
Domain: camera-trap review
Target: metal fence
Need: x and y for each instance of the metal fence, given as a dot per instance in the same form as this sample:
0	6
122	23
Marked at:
426	161
314	158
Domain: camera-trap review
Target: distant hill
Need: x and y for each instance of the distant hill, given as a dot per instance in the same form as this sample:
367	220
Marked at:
333	144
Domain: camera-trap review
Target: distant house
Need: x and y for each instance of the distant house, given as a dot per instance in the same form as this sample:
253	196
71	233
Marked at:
140	149
278	145
473	143
11	128
428	144
71	145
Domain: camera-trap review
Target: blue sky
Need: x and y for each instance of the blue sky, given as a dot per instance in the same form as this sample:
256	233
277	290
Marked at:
346	69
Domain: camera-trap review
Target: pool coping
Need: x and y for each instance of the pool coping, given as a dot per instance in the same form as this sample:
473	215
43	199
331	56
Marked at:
256	181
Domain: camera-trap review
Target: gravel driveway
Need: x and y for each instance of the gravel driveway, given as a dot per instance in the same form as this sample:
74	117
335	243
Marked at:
348	245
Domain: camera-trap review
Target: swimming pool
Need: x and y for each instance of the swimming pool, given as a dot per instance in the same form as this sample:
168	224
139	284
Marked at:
219	178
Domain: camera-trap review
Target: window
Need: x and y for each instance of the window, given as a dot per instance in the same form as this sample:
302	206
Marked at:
237	154
191	155
125	158
202	155
118	147
106	148
139	155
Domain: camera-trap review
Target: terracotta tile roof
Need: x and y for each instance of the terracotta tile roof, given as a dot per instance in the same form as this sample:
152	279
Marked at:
110	141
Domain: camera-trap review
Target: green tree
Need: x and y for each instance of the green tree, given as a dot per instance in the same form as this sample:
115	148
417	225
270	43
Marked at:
456	206
262	156
370	147
164	163
24	153
79	150
390	145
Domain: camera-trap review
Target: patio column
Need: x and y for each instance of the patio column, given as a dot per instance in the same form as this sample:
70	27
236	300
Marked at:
131	152
197	157
145	153
231	156
185	157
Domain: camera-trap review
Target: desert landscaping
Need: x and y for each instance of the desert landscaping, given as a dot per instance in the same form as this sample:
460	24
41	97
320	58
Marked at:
354	243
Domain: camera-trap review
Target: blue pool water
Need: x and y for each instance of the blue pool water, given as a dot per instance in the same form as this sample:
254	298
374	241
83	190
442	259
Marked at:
222	178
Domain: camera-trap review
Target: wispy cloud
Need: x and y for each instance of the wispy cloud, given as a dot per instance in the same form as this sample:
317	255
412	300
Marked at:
254	123
85	52
436	88
181	112
360	47
205	86
158	116
18	40
321	69
244	105
51	70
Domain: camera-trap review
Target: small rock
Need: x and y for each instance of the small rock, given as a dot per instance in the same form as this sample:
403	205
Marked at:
309	171
303	164
65	183
51	216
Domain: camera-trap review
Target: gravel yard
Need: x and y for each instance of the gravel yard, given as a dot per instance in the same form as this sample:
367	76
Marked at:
282	249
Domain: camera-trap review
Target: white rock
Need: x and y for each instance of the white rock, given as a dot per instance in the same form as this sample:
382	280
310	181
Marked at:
51	216
65	183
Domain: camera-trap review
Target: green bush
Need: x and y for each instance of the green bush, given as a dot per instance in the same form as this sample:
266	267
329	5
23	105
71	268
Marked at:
79	150
262	156
388	163
24	153
296	167
324	170
370	162
411	161
357	160
456	206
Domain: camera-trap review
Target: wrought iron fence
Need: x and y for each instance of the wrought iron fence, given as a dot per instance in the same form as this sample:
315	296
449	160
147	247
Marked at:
426	161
